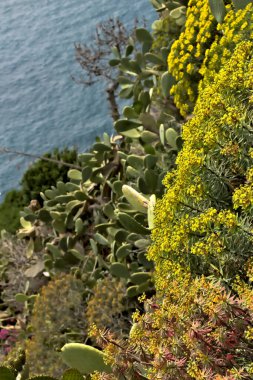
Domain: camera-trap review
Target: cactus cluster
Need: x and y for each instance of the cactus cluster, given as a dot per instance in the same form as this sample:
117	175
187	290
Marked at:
98	222
170	23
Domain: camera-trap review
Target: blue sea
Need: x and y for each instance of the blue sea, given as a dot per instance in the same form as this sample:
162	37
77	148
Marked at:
41	107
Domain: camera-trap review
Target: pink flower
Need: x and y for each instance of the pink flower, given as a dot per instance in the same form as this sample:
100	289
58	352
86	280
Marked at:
4	334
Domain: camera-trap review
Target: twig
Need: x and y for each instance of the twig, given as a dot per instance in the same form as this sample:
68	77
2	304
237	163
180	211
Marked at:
12	151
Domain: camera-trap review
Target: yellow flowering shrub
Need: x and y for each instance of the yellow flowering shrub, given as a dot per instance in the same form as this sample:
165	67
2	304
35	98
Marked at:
201	225
203	47
187	53
236	27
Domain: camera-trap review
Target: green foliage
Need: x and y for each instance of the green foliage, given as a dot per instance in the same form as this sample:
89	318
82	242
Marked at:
72	374
8	373
169	25
12	204
102	205
17	274
96	225
241	4
42	378
90	224
218	9
16	360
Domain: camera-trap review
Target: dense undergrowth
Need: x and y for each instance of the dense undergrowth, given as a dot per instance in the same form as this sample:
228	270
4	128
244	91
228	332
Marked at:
145	253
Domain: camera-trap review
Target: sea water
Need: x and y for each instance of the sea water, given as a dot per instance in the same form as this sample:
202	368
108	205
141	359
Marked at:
41	107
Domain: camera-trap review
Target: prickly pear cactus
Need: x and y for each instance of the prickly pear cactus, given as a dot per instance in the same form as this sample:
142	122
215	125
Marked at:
84	358
95	221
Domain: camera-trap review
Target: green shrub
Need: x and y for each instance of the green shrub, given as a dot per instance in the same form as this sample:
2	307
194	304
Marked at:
57	318
37	178
203	223
43	174
9	210
109	295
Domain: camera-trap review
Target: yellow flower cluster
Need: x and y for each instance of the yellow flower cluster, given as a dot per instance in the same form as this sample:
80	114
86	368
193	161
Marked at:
245	292
250	269
249	333
196	218
187	53
203	48
243	196
236	27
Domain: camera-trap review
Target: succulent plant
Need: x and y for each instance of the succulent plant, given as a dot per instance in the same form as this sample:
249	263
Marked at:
84	358
105	206
218	9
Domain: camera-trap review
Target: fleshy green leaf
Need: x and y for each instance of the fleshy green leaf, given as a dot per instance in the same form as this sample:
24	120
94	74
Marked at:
75	174
72	374
167	82
218	9
131	224
85	359
119	270
143	35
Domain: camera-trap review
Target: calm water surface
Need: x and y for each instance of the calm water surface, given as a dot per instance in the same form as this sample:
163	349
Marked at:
41	107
